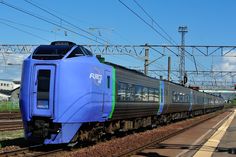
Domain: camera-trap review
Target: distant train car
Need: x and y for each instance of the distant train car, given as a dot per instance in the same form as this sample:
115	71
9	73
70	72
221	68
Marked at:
67	94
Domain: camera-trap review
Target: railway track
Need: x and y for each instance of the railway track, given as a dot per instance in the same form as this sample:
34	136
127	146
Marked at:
10	115
32	151
41	150
10	121
8	125
161	139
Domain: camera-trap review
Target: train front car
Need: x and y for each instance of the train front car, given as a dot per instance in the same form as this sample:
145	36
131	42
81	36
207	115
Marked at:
63	86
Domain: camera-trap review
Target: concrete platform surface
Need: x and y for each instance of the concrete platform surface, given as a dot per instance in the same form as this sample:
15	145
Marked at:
199	141
227	145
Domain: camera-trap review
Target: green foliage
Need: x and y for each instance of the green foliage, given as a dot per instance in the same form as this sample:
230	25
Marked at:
234	101
9	106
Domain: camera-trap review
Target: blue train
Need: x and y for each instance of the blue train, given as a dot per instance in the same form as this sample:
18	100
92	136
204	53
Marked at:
67	94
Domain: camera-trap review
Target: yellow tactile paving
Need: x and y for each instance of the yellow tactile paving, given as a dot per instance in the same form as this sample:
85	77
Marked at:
209	147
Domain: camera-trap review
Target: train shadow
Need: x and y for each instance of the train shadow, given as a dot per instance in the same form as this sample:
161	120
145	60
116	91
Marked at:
21	142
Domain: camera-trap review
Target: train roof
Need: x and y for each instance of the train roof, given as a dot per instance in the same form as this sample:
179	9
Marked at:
124	68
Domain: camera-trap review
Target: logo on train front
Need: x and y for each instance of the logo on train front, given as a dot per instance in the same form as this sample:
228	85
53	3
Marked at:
96	76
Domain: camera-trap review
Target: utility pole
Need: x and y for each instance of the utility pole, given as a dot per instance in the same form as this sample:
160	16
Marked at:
182	30
146	61
169	67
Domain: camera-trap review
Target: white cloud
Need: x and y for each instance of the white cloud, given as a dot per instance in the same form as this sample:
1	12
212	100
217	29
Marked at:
228	62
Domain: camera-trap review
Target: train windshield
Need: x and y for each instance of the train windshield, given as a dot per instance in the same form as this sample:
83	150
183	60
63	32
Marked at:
51	52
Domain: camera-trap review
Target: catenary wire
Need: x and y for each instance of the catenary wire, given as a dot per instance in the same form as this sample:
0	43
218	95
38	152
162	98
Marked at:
55	11
34	35
50	22
28	26
81	29
154	29
158	25
136	14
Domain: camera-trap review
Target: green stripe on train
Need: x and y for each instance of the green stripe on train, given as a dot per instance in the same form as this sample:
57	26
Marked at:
113	91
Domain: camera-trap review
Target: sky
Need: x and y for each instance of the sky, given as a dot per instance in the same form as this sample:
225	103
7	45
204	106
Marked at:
209	22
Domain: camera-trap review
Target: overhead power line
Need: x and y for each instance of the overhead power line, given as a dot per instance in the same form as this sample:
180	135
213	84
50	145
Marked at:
81	29
50	22
159	26
29	33
28	26
154	29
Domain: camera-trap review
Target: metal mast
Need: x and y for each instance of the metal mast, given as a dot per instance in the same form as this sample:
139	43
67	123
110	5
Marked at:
146	60
182	30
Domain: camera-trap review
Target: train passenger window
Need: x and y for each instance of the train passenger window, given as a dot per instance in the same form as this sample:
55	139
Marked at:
205	101
209	101
174	96
122	87
187	98
181	97
138	93
145	94
156	95
108	82
151	95
130	92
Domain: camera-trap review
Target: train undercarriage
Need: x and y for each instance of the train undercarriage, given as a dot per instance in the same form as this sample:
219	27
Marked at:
94	131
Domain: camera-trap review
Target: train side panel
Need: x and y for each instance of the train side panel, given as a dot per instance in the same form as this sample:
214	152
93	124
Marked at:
133	98
177	99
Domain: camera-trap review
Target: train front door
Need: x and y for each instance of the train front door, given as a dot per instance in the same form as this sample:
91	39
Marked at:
43	91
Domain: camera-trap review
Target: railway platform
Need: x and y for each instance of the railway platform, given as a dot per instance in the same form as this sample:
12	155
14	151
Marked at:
215	137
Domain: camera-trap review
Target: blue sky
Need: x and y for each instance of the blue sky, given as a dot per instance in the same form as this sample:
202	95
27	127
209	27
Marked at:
209	23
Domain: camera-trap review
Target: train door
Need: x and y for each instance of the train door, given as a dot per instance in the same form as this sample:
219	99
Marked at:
191	100
43	91
161	97
107	94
